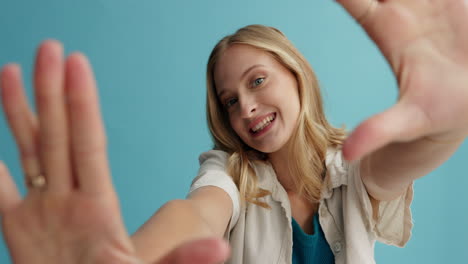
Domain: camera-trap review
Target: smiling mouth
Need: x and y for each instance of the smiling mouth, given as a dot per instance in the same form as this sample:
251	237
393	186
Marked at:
263	124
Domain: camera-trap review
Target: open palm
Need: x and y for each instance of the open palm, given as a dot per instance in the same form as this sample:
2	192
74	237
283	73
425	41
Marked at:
75	217
426	44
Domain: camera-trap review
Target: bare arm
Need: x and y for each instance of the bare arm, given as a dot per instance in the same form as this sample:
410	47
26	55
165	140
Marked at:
206	213
388	172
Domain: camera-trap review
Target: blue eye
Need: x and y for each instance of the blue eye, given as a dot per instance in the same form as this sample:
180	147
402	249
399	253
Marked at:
230	102
258	81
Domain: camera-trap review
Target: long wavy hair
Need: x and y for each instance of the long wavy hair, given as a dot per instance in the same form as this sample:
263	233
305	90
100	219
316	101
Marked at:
311	138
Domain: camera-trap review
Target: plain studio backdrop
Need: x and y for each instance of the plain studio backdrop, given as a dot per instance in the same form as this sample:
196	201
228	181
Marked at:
149	58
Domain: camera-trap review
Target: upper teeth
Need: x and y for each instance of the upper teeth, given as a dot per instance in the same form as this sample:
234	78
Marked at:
262	124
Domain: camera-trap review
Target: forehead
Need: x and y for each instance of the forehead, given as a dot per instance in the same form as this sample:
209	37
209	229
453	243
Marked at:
236	60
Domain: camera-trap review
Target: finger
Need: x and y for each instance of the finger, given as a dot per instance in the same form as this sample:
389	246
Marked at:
9	195
21	119
401	123
53	131
87	130
205	251
361	10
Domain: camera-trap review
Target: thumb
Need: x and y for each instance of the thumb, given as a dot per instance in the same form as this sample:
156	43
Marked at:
401	123
361	10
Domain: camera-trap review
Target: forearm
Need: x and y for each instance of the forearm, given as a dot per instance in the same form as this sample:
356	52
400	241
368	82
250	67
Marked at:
388	172
176	222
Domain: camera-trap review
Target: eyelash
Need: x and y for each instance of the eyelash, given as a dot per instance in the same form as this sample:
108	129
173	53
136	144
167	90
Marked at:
228	103
256	79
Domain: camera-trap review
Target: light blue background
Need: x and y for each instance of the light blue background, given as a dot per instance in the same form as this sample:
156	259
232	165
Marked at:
149	58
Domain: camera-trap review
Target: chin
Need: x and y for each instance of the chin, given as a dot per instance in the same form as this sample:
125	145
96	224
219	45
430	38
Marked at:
268	149
269	144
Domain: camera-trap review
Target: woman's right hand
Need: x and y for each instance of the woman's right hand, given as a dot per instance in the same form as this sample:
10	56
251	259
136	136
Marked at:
70	213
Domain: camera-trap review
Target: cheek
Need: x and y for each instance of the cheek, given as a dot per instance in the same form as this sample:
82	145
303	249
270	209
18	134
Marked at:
295	109
297	102
291	105
293	97
235	124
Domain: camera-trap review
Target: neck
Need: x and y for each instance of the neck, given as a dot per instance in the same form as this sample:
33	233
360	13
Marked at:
280	161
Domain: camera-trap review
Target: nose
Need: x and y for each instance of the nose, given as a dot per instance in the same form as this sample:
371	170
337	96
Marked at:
248	106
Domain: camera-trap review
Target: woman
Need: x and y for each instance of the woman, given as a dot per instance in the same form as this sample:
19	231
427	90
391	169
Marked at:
71	196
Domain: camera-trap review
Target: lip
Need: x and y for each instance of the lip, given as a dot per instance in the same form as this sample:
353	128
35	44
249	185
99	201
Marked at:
259	119
265	129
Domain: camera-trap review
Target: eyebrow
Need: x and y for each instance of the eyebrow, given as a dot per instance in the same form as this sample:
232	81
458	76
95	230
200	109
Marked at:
243	75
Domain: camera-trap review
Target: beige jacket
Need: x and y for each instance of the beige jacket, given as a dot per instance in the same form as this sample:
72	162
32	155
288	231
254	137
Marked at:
259	235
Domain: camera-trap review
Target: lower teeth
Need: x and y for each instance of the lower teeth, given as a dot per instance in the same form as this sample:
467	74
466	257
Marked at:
255	132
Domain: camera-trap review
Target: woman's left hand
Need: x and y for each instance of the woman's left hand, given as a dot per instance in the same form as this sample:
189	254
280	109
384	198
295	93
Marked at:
426	44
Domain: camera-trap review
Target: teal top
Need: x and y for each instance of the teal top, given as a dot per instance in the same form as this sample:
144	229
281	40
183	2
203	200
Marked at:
308	249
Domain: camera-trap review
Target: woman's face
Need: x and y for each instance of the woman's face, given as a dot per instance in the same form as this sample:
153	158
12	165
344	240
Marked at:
260	96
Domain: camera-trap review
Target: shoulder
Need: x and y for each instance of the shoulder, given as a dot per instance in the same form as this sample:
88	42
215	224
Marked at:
334	158
338	169
212	155
216	161
213	160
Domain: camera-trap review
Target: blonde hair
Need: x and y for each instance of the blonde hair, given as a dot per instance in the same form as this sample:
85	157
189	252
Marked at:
311	138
